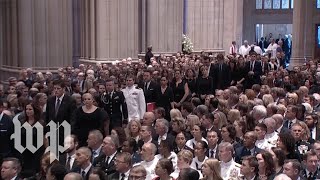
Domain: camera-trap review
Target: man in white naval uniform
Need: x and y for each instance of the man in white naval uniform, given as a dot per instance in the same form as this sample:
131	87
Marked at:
149	160
135	100
229	168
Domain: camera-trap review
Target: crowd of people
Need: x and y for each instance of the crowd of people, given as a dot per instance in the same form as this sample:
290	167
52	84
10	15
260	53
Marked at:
185	116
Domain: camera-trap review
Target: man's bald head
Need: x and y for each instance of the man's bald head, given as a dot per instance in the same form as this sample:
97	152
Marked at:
73	176
148	119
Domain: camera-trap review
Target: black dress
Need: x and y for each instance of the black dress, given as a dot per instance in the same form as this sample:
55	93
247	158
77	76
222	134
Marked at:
83	123
164	100
30	161
178	90
192	85
204	86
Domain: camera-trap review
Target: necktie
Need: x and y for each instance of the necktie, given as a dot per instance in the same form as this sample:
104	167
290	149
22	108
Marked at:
212	153
252	66
83	174
122	176
68	163
57	107
289	124
107	161
310	176
220	67
145	86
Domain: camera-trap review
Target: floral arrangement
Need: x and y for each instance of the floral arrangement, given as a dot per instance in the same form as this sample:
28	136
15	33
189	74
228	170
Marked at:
187	46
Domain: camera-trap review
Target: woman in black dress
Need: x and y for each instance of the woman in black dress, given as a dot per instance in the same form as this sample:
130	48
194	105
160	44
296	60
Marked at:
180	89
30	160
190	78
87	118
239	72
165	97
204	83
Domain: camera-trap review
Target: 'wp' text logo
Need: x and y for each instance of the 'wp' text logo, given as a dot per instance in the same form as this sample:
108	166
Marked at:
52	135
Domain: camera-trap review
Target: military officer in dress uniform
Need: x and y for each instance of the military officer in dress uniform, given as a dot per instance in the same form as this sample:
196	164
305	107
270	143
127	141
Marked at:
114	103
135	100
311	170
229	168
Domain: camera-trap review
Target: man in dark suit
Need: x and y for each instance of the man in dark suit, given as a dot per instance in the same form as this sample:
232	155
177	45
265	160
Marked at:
248	148
123	165
10	169
146	136
162	128
148	56
6	130
311	170
69	156
83	160
94	141
249	168
221	73
149	87
254	71
212	138
114	103
107	160
60	107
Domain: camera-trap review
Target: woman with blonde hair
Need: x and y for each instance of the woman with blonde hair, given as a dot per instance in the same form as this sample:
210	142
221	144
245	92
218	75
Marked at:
243	99
133	129
267	99
233	115
175	113
191	121
220	119
211	170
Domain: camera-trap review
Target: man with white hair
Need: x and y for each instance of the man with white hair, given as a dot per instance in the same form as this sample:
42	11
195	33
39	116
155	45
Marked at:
282	177
148	152
271	135
279	123
259	112
162	129
244	49
229	168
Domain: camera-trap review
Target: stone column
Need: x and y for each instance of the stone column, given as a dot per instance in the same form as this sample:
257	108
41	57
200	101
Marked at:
298	33
164	21
309	31
36	34
233	23
113	31
205	24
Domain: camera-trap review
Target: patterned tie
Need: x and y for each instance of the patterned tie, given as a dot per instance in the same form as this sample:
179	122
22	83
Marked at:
212	153
122	176
83	174
57	107
68	163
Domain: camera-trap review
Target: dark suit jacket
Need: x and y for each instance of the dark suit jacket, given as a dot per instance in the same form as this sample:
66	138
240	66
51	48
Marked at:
149	93
6	130
67	106
304	175
116	108
100	162
257	69
78	170
63	161
114	176
221	77
170	139
240	152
